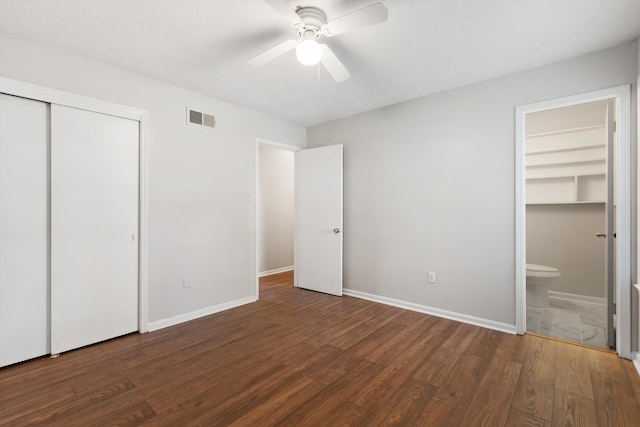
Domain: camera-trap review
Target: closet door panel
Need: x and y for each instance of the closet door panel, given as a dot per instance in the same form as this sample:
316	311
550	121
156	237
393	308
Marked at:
23	229
94	227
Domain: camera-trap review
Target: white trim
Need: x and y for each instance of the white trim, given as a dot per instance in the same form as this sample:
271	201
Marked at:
520	224
143	295
575	297
256	228
622	95
295	218
278	144
54	96
458	317
275	271
635	358
175	320
637	142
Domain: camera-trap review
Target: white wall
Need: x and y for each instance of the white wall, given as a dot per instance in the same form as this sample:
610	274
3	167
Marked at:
429	186
201	223
275	208
564	236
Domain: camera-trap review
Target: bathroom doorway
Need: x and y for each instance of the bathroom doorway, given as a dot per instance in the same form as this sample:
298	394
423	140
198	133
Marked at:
573	197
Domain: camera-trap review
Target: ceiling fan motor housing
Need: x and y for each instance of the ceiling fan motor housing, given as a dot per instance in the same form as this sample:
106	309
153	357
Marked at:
311	21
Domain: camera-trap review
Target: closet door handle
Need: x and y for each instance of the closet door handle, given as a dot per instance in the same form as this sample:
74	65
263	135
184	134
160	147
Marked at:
601	235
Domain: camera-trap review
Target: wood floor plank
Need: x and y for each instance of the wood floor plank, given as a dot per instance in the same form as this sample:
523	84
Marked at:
248	399
296	354
347	414
572	410
439	365
299	357
408	317
485	342
71	369
388	351
512	347
406	406
371	344
518	418
69	408
355	335
448	405
213	389
379	391
491	403
572	370
324	404
536	384
330	333
281	404
634	379
614	400
15	414
607	362
319	360
132	415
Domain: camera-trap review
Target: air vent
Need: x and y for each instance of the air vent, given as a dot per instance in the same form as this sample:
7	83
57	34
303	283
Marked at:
198	118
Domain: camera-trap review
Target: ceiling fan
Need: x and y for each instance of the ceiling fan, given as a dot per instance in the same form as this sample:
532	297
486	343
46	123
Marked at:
311	24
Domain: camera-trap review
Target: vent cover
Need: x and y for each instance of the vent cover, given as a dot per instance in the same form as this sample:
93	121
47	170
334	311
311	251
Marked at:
198	118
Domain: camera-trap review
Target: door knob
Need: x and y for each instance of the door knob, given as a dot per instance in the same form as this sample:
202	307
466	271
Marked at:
336	230
601	235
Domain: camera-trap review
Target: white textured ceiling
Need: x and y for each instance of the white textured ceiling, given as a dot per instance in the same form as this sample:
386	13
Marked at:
426	46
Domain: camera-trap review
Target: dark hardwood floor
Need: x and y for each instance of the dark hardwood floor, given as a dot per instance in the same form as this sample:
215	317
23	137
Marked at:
298	357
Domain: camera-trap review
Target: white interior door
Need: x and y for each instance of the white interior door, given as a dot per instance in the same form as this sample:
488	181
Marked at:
24	234
319	219
94	227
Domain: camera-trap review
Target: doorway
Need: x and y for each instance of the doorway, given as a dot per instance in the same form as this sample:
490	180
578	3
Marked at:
317	221
573	197
275	209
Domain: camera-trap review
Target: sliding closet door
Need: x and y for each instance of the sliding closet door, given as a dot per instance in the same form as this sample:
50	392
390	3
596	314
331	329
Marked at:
94	227
23	229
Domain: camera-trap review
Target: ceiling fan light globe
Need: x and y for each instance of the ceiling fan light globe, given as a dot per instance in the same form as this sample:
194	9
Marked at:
308	52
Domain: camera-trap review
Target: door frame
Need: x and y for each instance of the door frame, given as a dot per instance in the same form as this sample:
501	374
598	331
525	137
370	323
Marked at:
256	228
622	96
54	96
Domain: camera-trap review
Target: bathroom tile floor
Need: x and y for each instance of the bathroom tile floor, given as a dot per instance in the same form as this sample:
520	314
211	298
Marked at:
575	321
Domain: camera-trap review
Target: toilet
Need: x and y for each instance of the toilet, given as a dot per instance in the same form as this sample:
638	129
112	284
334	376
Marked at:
538	278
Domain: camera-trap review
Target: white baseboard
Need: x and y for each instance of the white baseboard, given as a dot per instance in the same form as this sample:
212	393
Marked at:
575	297
635	358
464	318
165	323
275	271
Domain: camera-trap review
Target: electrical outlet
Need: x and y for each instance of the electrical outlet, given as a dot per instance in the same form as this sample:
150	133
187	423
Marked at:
431	277
186	282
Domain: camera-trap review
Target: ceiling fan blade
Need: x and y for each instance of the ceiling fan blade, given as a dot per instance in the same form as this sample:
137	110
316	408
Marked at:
271	54
369	15
333	64
284	10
